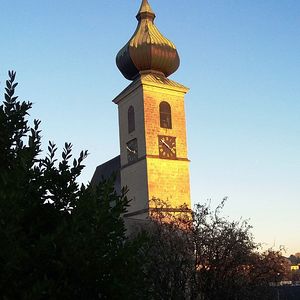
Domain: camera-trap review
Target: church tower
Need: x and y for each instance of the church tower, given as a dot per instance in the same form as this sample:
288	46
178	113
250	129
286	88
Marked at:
152	126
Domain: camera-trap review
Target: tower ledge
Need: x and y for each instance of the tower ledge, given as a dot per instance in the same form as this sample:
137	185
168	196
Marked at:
154	79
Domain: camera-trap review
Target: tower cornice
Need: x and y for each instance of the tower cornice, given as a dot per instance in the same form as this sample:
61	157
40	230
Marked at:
151	80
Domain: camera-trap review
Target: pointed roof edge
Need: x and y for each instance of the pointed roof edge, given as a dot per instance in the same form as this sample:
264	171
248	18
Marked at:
145	9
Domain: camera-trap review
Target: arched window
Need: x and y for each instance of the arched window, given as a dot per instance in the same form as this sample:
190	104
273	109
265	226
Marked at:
131	119
165	115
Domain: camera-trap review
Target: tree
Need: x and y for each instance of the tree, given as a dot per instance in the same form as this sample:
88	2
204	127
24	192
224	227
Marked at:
169	260
295	259
58	240
202	255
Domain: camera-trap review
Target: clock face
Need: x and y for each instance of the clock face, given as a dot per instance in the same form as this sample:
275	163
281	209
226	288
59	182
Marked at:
132	151
167	146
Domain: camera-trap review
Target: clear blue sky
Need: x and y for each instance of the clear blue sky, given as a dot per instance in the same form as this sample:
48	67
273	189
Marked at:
241	60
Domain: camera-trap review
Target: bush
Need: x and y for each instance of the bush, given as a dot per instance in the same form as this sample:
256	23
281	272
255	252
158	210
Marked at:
59	240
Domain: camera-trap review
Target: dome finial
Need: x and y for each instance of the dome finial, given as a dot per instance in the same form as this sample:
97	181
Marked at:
145	11
147	51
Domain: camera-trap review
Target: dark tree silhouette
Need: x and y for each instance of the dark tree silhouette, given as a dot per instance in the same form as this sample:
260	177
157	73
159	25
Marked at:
202	255
58	240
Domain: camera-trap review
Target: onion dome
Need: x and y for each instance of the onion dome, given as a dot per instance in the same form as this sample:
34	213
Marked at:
148	51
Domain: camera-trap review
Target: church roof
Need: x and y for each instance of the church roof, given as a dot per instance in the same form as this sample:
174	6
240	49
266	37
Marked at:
107	170
147	49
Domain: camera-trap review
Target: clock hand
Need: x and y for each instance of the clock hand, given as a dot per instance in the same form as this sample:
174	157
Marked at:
166	144
130	150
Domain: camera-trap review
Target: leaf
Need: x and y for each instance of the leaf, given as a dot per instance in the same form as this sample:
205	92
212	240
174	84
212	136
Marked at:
13	75
74	163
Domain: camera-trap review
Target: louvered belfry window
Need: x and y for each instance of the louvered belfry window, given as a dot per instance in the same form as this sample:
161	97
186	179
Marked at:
165	115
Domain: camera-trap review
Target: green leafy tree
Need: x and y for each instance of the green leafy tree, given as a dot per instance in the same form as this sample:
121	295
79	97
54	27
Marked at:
58	240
